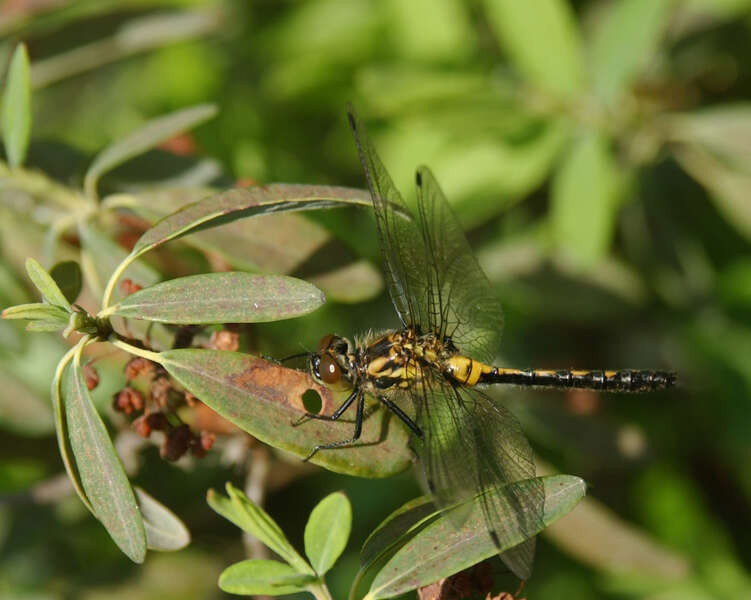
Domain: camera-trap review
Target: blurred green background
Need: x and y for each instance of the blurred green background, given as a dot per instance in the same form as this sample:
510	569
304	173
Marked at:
598	153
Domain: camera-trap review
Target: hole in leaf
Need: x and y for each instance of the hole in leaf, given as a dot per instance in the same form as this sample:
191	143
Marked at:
312	402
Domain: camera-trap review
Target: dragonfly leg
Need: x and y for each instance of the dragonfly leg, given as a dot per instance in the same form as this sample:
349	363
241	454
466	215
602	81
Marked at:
358	425
403	417
332	417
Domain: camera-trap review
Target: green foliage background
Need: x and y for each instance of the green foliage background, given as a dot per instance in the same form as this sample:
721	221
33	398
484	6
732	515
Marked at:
599	154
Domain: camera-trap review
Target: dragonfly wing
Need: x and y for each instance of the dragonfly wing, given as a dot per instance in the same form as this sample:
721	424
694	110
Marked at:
474	447
402	249
461	301
519	559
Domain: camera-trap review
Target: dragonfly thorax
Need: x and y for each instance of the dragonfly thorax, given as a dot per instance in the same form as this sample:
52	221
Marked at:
399	358
395	358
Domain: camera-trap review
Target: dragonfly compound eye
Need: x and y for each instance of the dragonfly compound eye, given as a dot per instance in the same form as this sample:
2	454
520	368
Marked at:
328	370
325	342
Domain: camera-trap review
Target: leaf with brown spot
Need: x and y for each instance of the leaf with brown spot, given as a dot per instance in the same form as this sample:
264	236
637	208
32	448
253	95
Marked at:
264	399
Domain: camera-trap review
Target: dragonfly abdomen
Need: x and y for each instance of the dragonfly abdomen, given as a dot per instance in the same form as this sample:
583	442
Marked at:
626	380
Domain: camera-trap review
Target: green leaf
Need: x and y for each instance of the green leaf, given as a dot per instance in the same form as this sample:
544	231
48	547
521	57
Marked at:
46	326
101	474
440	549
356	282
729	188
585	198
221	298
327	531
164	531
264	399
41	316
624	42
482	174
151	134
64	373
724	131
240	203
16	117
395	528
432	31
37	310
46	285
274	243
262	577
542	40
67	276
254	520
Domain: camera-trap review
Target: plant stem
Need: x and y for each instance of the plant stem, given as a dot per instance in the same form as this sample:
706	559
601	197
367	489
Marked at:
107	296
147	354
319	590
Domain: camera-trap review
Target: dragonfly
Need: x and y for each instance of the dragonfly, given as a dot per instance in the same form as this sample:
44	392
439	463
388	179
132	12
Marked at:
440	361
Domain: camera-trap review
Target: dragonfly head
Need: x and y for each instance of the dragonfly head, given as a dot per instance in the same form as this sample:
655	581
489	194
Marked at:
332	362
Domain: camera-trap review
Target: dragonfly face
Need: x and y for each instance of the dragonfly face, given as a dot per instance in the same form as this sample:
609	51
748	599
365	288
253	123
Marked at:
333	363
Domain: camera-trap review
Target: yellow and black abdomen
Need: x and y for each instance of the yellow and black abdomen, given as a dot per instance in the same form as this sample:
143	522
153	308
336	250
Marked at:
625	380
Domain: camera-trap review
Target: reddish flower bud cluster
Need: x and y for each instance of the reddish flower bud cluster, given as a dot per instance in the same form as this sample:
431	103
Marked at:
137	366
145	424
181	439
128	400
159	408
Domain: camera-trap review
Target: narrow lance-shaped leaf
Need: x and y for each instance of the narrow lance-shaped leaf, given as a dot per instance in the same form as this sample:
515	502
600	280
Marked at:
36	310
327	531
260	577
264	399
586	190
722	130
729	189
101	473
398	526
221	298
67	276
253	519
42	325
46	285
440	549
355	282
624	42
164	531
151	134
61	427
555	65
16	117
234	204
274	243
